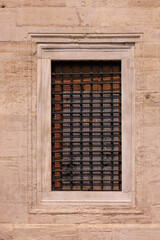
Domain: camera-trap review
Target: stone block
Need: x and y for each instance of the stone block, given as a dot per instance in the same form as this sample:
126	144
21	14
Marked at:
100	3
153	192
152	34
15	213
42	3
95	3
152	81
94	232
150	65
151	135
155	213
6	232
124	17
12	101
86	16
115	3
12	193
94	235
11	3
144	3
41	232
2	180
86	3
12	170
47	17
11	34
13	143
151	50
158	17
59	232
73	3
153	234
7	17
135	234
13	122
151	115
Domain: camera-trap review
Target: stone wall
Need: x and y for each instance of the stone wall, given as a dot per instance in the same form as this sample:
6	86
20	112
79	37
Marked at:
18	89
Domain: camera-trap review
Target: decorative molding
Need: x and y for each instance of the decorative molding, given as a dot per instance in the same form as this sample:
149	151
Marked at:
80	46
85	37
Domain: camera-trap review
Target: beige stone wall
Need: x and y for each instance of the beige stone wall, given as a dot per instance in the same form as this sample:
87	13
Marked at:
18	90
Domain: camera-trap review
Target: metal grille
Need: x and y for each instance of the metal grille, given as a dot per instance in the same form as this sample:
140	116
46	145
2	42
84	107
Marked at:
86	126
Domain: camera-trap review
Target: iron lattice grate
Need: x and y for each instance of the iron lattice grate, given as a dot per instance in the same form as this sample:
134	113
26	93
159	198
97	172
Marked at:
86	125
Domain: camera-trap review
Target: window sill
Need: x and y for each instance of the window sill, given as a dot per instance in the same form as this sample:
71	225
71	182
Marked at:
87	198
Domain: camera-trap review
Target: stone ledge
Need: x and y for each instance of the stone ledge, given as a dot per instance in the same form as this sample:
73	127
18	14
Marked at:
12	226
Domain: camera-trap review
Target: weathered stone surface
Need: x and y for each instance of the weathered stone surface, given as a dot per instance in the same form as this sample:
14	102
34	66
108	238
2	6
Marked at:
158	17
7	17
152	81
151	50
10	3
86	16
42	3
70	232
18	111
47	17
144	3
72	3
115	3
124	17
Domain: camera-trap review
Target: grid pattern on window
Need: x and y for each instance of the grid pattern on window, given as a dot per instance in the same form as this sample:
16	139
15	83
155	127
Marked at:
86	125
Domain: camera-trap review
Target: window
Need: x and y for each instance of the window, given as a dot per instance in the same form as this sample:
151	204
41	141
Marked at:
87	75
86	125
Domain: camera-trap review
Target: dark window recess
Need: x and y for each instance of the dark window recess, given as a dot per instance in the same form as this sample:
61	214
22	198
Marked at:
86	126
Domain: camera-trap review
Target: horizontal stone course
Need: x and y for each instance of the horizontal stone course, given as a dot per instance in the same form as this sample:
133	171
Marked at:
88	232
121	17
98	17
144	3
47	17
42	3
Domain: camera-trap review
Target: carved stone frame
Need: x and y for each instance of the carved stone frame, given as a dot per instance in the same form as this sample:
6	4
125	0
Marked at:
83	47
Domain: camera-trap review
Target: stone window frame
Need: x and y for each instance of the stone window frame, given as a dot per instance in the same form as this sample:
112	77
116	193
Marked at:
84	47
